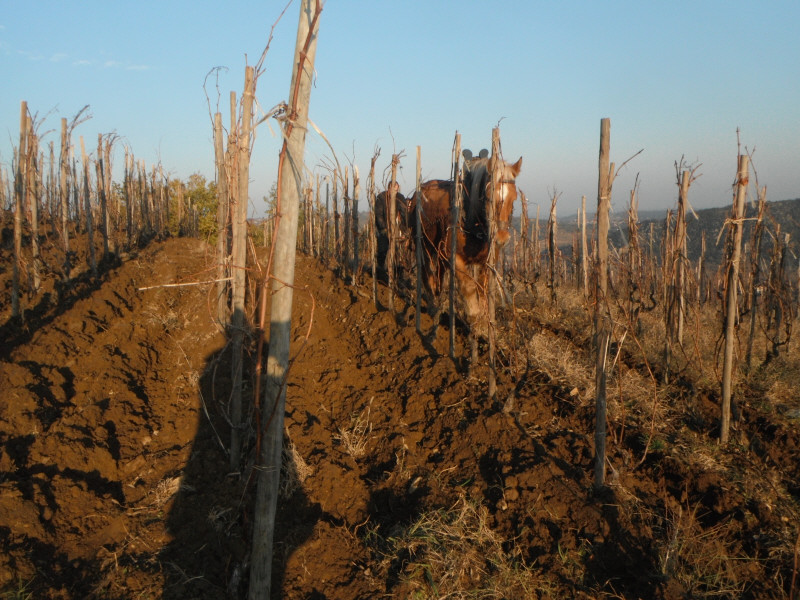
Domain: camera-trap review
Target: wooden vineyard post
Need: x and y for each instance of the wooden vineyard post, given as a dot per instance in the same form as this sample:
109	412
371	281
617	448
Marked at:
346	233
680	254
373	233
326	229
490	267
634	252
731	281
354	224
391	226
129	203
779	314
418	241
755	268
110	195
552	246
601	316
455	223
584	250
274	399
88	209
179	217
675	257
19	195
317	211
535	246
222	221
337	240
33	186
101	193
63	192
239	264
701	268
524	226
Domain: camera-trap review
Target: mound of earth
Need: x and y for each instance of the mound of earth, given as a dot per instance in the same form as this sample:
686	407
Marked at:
115	478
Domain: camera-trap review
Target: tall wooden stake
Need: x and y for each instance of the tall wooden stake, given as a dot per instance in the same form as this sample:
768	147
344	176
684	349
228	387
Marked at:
732	278
354	215
19	196
222	221
455	223
290	183
88	209
239	264
418	244
602	325
491	260
584	250
391	226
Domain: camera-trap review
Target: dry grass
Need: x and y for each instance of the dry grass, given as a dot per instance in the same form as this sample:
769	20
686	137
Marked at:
702	560
294	470
454	553
357	435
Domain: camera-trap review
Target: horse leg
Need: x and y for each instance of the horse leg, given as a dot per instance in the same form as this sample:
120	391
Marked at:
469	288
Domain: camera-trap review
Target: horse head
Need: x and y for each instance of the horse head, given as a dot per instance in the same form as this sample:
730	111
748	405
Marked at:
504	184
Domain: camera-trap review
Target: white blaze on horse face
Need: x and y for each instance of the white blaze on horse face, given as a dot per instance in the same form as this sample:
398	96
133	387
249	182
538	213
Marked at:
508	193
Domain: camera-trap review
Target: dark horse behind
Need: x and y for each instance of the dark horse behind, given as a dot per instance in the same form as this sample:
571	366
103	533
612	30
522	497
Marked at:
473	237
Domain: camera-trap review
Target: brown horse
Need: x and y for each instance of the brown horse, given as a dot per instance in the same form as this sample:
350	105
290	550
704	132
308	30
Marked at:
472	240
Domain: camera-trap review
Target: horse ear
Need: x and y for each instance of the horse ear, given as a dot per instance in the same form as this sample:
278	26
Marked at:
517	167
467	154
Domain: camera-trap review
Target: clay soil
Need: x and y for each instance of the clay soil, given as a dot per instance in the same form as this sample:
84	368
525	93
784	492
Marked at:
402	478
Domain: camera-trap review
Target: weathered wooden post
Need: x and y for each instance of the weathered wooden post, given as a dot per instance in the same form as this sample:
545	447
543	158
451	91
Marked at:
337	239
222	221
584	261
491	260
524	227
33	186
537	255
634	252
373	232
63	191
391	226
239	263
601	316
552	246
346	233
732	277
418	241
674	278
455	224
326	234
779	304
273	407
19	195
354	224
755	268
88	209
317	233
101	193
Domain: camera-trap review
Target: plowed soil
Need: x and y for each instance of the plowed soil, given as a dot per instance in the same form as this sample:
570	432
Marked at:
115	479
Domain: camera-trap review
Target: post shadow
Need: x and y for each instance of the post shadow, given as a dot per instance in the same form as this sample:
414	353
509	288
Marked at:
211	518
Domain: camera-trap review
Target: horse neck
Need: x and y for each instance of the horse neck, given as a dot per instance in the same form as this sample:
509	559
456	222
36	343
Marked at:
475	199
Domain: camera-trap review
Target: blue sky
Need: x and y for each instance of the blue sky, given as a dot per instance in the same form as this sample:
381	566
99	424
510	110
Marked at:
675	78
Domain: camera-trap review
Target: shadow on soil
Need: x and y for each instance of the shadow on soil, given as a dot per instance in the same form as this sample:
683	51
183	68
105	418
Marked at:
211	518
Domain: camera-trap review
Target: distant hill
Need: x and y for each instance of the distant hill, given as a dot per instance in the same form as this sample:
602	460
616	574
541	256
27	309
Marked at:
785	213
711	220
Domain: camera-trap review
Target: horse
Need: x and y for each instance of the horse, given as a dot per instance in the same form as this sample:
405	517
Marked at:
435	205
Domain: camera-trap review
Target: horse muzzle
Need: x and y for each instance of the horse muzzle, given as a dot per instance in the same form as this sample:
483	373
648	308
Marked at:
502	237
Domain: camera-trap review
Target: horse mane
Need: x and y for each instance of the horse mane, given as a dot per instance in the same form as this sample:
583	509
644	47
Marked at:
476	178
